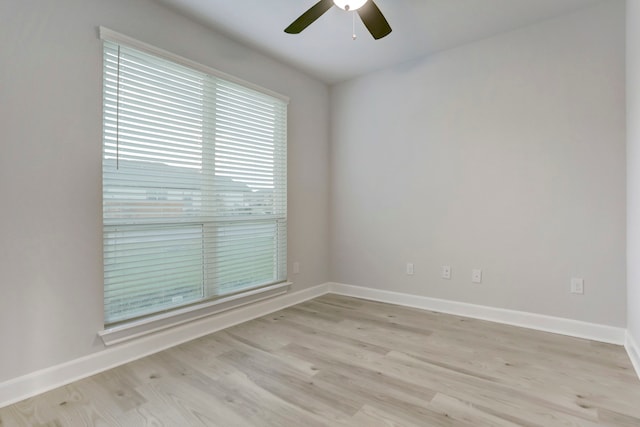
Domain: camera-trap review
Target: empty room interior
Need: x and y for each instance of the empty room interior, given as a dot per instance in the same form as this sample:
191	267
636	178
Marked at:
320	213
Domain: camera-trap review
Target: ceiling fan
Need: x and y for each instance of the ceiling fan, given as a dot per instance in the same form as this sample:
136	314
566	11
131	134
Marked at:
373	19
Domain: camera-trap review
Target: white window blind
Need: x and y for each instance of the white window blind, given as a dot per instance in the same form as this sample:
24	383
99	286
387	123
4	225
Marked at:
194	185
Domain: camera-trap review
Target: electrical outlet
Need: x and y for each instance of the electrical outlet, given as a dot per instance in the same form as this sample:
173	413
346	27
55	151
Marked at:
577	285
410	269
446	272
296	267
476	275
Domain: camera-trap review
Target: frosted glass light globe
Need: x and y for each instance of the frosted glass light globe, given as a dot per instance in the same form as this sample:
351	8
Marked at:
349	4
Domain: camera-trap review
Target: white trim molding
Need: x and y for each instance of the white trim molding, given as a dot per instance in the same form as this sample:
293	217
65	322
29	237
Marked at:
633	350
41	381
540	322
156	323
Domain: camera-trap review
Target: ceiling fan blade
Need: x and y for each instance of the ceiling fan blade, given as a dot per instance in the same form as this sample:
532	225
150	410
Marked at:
374	20
307	18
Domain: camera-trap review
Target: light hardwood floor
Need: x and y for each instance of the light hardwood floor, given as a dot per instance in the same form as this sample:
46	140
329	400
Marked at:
337	361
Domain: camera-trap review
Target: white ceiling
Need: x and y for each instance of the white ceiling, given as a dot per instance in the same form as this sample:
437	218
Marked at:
325	49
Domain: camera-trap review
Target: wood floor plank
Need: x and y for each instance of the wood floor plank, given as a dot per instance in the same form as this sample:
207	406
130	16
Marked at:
465	412
344	362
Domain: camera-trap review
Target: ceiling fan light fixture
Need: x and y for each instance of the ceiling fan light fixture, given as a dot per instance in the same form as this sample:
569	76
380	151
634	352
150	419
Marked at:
349	4
369	12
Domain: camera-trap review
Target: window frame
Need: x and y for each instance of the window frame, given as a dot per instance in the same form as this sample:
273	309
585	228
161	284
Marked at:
135	327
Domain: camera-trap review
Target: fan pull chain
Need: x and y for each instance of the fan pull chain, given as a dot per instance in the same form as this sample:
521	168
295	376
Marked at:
353	35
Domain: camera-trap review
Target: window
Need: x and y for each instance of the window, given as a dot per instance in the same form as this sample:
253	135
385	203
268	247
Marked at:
194	184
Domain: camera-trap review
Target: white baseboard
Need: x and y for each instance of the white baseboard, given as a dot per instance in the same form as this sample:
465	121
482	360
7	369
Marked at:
38	382
557	325
633	350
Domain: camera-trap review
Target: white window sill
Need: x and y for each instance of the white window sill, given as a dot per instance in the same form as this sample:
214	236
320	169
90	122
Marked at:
130	330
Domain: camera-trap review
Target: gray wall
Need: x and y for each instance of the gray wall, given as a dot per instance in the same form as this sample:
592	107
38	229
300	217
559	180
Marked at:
507	154
50	164
633	169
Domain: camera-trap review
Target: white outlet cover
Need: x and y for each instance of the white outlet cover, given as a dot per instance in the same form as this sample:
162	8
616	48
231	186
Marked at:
296	267
577	285
410	268
446	272
476	276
